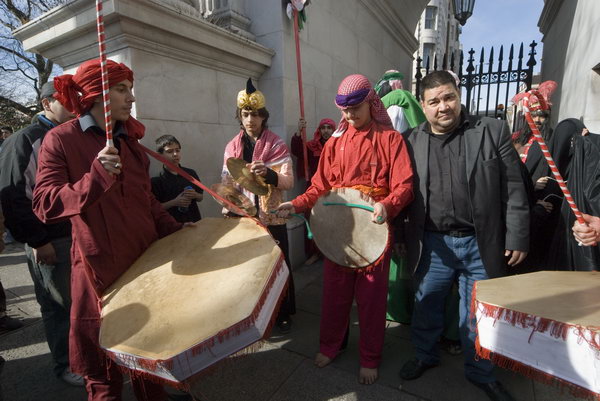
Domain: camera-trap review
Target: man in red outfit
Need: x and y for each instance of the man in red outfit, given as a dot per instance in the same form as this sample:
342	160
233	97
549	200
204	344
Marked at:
365	153
105	193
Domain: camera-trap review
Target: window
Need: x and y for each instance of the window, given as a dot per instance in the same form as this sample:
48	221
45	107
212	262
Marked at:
428	54
430	14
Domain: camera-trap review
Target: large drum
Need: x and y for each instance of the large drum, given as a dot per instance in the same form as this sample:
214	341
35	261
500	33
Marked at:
194	298
342	228
545	325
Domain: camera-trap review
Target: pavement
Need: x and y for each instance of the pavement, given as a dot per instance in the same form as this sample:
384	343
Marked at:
281	370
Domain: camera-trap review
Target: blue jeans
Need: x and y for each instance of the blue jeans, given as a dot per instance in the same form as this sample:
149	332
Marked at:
443	259
52	285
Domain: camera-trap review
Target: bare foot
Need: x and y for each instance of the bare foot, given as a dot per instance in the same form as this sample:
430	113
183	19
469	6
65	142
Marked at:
367	375
321	360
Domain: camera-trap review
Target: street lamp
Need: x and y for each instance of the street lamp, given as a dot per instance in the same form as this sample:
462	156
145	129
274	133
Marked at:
463	9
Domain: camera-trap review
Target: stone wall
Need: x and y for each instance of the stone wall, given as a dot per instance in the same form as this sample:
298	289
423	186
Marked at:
571	57
188	70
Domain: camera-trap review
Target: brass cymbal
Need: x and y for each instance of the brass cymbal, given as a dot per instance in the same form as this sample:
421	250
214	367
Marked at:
234	196
247	179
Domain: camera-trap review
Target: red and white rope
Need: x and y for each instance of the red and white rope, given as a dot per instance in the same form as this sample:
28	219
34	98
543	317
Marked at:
538	137
104	70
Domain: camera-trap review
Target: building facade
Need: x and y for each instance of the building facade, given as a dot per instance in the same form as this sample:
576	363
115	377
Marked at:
571	57
438	33
191	57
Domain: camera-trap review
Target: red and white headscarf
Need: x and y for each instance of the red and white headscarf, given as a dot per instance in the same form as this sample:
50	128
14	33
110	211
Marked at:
315	145
78	92
354	90
546	89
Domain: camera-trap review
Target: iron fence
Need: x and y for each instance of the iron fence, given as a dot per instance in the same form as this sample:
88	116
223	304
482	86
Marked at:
494	83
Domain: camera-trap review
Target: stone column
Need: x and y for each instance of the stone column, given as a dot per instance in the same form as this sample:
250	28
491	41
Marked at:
229	14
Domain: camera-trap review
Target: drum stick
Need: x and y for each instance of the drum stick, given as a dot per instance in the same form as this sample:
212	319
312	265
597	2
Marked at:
356	205
104	71
546	152
309	233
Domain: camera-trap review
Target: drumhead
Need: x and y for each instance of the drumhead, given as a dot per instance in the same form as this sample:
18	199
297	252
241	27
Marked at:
189	287
346	235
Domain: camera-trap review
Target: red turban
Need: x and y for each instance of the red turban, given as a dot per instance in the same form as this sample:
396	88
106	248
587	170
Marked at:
78	92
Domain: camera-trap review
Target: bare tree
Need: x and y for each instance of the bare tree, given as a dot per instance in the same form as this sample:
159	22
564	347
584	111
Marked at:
22	74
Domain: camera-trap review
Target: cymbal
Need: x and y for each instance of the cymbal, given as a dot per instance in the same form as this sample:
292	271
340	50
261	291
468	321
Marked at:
247	179
234	196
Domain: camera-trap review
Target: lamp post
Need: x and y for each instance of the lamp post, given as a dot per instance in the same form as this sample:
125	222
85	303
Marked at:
463	9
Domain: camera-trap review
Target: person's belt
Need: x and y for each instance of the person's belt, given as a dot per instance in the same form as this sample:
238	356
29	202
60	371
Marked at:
458	234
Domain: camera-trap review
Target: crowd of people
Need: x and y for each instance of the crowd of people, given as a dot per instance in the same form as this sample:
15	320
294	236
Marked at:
466	200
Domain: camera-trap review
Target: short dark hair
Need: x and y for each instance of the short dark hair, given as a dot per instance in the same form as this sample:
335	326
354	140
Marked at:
166	140
262	112
435	79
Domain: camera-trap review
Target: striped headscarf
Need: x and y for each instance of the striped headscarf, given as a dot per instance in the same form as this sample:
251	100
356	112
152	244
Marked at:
353	90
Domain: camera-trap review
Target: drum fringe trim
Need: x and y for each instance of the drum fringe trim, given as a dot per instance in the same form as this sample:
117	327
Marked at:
532	373
542	325
556	329
151	365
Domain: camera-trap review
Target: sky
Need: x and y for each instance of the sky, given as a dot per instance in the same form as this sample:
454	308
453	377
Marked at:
496	23
503	22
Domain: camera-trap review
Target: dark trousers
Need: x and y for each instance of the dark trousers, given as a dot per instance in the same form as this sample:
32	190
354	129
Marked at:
2	301
110	386
52	285
288	304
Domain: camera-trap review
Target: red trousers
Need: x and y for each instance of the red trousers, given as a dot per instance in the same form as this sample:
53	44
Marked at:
341	285
105	389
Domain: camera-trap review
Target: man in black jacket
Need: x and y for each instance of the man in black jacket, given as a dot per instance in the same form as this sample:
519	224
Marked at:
47	246
469	220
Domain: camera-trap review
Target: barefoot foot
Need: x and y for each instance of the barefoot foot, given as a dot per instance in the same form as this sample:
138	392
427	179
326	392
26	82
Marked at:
367	375
321	360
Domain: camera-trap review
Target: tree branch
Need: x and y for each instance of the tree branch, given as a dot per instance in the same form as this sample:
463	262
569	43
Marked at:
17	54
30	111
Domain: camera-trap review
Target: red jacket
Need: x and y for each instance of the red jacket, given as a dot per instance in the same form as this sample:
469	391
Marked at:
114	220
346	161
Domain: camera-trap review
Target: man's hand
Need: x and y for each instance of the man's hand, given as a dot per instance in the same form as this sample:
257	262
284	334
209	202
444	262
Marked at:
45	254
258	168
516	257
183	199
192	195
285	209
379	214
541	183
301	124
547	205
587	234
110	160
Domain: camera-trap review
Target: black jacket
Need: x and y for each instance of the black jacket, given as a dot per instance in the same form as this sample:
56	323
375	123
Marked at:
18	165
497	194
